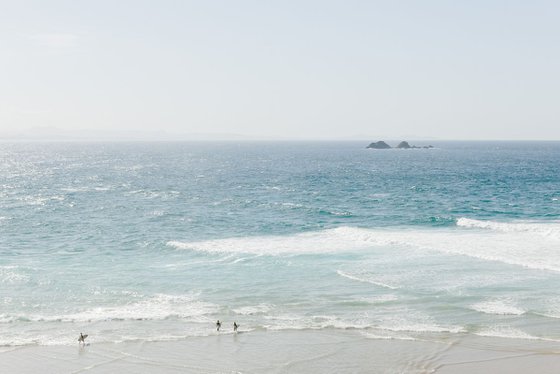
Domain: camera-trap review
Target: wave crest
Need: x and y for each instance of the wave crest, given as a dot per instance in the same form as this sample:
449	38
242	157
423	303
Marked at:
545	229
534	246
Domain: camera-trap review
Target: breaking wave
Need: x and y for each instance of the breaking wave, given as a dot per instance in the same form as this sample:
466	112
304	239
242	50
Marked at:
534	245
158	307
545	229
498	307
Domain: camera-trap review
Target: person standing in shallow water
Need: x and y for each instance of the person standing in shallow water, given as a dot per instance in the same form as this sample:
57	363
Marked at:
218	325
235	326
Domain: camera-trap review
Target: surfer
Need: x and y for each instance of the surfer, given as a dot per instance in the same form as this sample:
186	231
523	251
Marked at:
82	338
218	325
235	326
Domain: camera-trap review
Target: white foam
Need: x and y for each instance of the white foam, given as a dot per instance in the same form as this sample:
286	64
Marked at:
326	241
67	335
549	308
157	213
10	275
509	333
290	205
75	189
158	307
546	229
282	322
498	306
549	314
243	259
535	246
365	280
253	309
421	328
370	335
400	318
379	299
34	200
389	324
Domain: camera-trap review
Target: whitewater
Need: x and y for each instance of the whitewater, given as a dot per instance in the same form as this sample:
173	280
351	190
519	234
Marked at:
156	241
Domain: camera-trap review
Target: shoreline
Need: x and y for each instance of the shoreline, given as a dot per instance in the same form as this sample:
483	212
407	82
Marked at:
303	351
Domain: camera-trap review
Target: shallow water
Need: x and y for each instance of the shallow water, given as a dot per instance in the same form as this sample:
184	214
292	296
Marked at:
156	241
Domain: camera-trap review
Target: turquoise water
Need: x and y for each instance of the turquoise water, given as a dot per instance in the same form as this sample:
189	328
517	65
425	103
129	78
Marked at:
156	241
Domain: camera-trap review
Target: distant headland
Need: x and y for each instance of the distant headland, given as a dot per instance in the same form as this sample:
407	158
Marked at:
402	145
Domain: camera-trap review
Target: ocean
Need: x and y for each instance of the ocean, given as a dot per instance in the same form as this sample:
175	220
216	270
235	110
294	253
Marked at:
157	241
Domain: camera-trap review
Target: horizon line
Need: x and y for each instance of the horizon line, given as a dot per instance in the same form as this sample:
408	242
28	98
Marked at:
249	140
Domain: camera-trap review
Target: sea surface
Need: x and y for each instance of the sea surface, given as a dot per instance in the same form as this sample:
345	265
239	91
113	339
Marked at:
157	241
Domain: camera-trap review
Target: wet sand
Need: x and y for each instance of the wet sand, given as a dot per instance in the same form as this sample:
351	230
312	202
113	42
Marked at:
310	351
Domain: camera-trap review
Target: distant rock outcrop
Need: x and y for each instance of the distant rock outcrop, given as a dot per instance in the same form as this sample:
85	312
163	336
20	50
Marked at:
379	145
402	145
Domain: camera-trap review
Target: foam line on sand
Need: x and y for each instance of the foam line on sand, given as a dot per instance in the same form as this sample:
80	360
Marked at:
311	351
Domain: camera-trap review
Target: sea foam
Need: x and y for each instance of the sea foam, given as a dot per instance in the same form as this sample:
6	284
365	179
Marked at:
546	229
157	307
365	280
534	245
499	307
508	332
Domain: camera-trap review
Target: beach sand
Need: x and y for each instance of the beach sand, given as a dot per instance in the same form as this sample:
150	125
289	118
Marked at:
309	351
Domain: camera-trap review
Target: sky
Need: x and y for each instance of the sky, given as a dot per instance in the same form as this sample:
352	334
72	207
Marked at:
371	70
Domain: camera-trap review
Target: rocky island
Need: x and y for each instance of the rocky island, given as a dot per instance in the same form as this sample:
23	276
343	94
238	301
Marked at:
402	145
379	145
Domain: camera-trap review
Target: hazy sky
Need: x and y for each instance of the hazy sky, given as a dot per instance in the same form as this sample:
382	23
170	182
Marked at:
276	69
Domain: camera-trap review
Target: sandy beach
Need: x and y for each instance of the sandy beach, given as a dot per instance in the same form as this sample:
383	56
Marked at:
290	352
